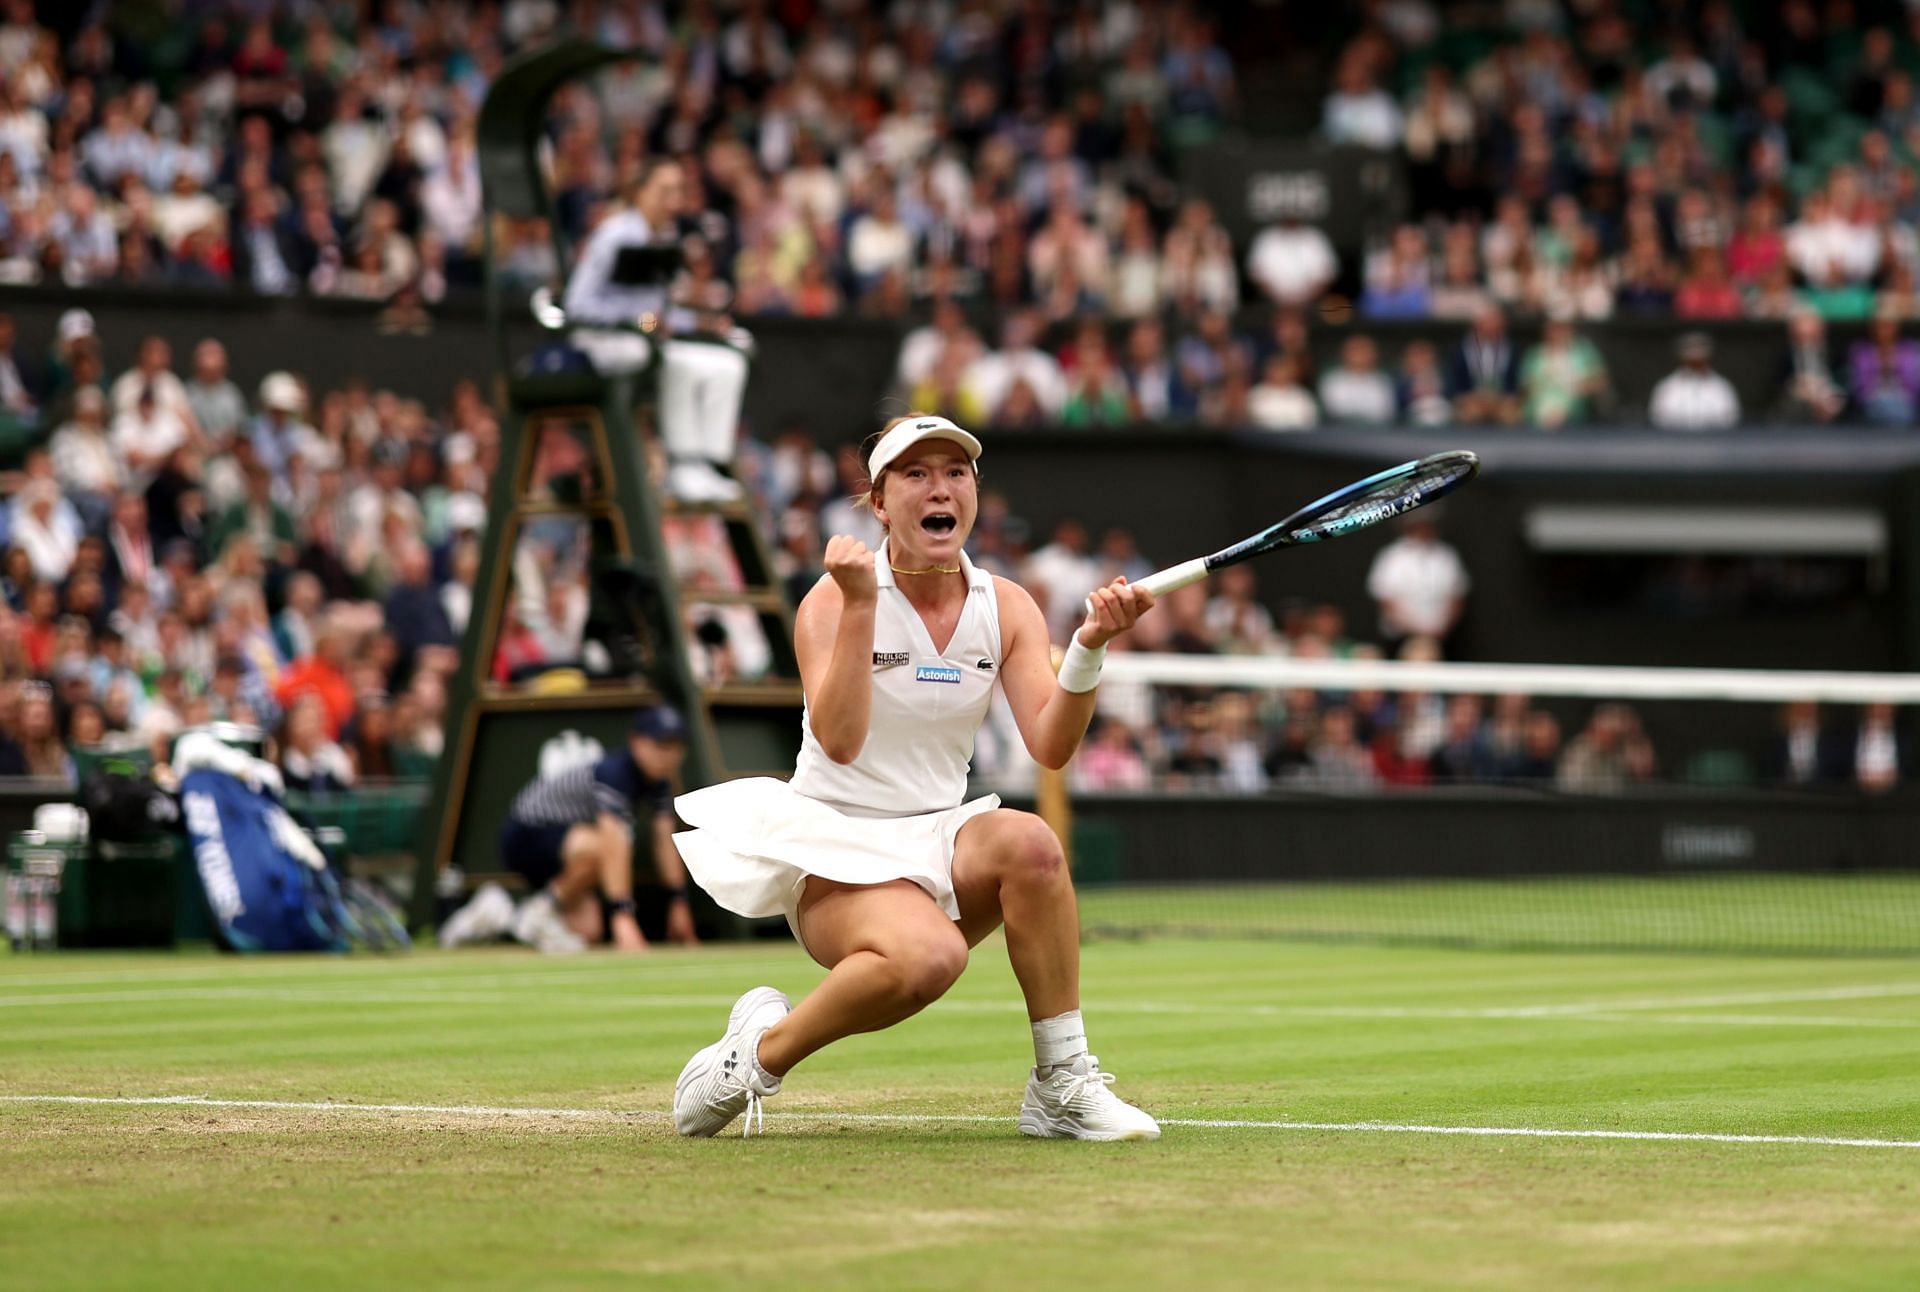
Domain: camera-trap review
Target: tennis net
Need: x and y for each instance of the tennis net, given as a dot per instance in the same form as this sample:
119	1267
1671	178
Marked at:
1500	805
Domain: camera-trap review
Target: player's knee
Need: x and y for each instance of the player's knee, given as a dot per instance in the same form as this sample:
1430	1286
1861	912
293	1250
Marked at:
1033	854
937	968
923	973
582	847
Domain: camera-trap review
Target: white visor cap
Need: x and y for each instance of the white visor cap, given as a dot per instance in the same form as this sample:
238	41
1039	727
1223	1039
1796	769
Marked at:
907	434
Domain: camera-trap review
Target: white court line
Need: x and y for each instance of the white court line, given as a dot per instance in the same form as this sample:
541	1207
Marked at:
1864	991
1390	1013
324	996
296	1105
1747	1020
1565	1009
507	966
537	974
1523	1014
885	1119
548	974
1584	1013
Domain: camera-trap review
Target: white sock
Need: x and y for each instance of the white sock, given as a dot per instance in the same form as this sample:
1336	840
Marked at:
1058	1041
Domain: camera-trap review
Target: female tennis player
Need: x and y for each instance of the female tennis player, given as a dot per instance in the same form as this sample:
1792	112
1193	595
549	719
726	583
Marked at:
885	875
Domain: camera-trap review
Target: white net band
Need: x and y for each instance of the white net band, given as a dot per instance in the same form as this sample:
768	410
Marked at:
1264	673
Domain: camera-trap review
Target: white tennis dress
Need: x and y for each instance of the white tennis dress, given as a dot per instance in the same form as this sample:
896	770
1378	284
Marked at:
893	812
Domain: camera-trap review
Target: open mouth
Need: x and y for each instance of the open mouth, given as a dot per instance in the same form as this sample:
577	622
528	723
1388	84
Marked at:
939	523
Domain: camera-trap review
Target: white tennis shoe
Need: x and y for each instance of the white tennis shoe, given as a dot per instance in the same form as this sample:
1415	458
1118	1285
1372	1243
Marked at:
725	1079
539	924
1076	1103
487	917
696	481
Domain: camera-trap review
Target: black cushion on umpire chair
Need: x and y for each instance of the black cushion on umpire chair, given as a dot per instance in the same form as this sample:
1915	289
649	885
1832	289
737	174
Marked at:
529	392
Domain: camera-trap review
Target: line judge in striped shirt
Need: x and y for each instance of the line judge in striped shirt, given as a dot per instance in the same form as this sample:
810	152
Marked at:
570	835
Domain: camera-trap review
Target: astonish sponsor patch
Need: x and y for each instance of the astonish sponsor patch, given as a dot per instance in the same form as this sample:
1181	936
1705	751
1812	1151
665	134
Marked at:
936	673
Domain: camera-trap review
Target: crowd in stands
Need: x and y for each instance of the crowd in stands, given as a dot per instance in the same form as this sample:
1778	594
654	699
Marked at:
850	157
182	551
1229	740
1703	162
1016	161
1098	372
178	549
1562	160
1147	737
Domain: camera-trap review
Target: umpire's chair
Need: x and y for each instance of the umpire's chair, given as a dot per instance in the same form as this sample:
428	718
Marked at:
572	463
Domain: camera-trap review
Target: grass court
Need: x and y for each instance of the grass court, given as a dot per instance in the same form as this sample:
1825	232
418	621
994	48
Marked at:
1335	1116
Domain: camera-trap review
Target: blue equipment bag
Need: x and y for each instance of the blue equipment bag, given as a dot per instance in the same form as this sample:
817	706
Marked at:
267	885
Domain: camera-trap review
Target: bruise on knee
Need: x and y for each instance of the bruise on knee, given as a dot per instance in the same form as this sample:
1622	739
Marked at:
1033	854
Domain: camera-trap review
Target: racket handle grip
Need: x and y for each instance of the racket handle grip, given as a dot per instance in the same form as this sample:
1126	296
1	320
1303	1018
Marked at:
1161	582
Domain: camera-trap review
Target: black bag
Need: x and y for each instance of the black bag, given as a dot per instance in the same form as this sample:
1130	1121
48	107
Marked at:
123	806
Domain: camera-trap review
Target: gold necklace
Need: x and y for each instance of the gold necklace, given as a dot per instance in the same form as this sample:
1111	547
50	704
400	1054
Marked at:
931	569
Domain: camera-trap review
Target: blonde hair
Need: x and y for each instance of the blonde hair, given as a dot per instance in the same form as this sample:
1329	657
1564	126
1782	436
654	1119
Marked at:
871	494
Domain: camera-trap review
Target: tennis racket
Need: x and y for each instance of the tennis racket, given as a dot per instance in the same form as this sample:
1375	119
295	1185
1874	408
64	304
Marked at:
1360	505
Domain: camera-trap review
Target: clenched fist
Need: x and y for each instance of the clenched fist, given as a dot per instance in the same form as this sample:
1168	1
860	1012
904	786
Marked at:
850	562
1111	611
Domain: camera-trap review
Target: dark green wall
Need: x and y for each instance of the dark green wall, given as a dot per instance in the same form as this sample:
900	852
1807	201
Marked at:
1198	838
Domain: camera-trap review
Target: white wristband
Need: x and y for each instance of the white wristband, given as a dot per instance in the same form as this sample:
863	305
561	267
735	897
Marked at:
1080	668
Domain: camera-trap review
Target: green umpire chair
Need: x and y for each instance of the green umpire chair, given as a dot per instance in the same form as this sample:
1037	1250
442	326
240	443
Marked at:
504	727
